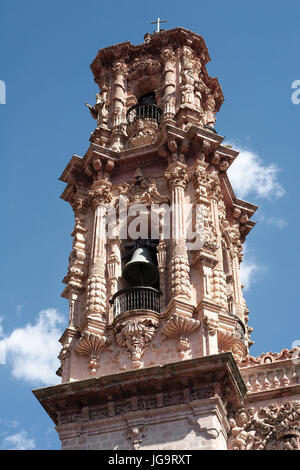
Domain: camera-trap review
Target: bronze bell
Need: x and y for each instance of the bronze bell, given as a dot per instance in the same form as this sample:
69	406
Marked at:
140	270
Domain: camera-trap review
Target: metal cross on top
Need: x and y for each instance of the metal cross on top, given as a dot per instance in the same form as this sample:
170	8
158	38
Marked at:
158	22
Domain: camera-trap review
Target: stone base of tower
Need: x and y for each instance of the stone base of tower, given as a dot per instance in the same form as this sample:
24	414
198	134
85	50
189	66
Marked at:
176	406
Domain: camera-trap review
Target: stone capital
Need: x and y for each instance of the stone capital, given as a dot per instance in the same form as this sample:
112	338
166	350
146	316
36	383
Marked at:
100	194
176	175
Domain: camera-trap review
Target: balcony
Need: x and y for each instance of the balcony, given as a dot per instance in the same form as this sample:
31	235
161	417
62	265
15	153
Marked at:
144	111
136	298
142	123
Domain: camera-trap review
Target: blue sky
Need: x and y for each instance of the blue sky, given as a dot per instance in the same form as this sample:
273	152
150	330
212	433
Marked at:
45	50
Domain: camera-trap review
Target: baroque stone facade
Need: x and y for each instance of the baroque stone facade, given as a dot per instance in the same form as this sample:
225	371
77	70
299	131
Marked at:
158	325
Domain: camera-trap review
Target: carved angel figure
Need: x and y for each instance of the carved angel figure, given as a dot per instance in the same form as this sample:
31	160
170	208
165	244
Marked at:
100	111
243	440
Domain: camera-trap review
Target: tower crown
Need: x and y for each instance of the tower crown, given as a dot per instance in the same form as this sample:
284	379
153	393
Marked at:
169	69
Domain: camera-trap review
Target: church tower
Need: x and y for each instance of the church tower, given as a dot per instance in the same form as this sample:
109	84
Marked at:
156	352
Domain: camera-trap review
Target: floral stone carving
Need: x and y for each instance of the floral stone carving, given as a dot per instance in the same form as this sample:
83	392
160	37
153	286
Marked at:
274	427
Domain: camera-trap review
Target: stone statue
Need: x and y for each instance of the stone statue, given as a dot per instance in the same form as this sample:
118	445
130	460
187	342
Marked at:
100	111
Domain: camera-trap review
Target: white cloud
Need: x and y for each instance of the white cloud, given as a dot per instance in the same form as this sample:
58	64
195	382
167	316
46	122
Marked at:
1	327
32	350
279	222
18	441
249	176
9	423
249	269
247	273
19	309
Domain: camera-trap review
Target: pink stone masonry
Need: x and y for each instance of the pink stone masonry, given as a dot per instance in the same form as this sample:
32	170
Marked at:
179	311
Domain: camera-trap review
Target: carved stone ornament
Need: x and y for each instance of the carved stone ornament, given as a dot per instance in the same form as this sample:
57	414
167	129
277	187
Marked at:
233	341
179	279
235	239
210	110
99	170
177	175
274	427
142	132
269	358
77	259
119	67
206	433
100	195
218	287
63	355
204	226
96	290
188	76
201	181
211	325
100	110
143	65
142	189
134	335
180	327
209	236
92	344
135	434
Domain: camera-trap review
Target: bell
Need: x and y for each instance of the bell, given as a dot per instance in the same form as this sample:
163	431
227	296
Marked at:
140	269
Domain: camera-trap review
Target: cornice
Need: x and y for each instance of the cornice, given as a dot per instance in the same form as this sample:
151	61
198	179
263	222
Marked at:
201	370
132	158
176	36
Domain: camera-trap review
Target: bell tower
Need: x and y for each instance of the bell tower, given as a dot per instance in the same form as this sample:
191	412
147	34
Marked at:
157	317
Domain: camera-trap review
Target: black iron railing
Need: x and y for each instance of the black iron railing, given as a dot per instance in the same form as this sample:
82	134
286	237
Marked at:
136	298
143	111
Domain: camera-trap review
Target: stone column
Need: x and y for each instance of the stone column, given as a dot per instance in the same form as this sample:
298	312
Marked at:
93	338
177	179
114	272
218	276
236	254
162	268
74	280
209	259
180	323
119	69
205	230
168	56
76	275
